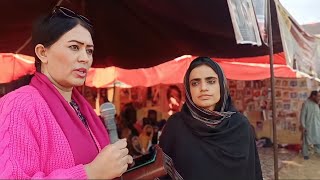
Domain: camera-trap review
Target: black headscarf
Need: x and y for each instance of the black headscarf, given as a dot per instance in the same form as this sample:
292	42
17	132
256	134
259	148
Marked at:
202	144
223	108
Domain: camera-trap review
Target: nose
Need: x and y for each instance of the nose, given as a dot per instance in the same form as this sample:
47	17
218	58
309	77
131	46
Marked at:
204	87
84	57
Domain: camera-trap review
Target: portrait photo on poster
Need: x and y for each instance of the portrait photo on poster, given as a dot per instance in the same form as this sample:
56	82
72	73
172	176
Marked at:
174	99
153	95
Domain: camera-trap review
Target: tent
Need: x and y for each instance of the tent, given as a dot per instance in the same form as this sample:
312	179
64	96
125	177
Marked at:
14	66
140	33
172	72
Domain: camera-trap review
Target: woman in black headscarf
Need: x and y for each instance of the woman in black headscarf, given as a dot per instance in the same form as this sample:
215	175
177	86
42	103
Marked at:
209	138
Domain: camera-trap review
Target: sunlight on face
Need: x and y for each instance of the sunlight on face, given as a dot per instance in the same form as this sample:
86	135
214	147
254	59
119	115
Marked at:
70	58
204	87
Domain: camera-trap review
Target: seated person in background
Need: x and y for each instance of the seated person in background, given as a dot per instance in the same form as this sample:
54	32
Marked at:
135	147
160	126
129	118
145	138
151	118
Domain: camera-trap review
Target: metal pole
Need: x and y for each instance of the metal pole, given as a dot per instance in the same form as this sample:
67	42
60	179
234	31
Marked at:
275	142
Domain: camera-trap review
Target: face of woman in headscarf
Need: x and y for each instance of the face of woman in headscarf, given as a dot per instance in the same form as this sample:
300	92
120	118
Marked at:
67	61
204	87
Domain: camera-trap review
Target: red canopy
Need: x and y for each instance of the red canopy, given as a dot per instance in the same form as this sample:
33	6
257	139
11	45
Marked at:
14	66
173	71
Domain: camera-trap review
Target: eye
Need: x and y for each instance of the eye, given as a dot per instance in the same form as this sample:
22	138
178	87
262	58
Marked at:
74	47
89	51
194	83
211	81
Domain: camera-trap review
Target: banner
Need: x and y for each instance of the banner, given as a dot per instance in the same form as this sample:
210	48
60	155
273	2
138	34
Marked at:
262	15
301	49
244	22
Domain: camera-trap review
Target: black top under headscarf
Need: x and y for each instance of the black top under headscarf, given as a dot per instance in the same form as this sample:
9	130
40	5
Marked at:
202	144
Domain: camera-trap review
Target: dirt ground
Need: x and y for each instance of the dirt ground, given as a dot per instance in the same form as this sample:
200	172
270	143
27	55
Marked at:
291	164
298	168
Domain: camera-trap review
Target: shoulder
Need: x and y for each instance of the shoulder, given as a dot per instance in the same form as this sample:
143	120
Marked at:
174	119
241	120
24	94
168	134
20	100
18	111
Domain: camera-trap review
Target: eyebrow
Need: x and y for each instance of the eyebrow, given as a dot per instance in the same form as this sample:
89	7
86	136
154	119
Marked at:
90	45
207	78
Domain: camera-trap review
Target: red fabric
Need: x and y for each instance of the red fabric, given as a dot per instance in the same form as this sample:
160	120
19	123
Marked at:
279	58
245	71
13	66
173	72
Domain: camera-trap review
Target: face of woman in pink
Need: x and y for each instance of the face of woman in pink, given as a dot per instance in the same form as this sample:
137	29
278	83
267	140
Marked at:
67	61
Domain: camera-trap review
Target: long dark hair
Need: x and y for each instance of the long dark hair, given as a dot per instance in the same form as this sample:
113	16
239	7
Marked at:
46	30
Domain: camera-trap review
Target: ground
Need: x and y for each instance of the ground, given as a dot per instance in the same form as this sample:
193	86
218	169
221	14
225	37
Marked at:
291	165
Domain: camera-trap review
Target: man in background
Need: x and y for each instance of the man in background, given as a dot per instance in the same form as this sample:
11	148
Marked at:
310	124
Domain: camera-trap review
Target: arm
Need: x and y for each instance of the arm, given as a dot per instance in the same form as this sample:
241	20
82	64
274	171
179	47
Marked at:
19	138
303	115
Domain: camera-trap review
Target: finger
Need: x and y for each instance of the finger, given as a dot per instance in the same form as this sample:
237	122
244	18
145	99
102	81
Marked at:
124	168
130	159
123	160
124	152
122	143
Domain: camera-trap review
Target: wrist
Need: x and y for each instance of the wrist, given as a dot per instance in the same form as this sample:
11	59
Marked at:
89	171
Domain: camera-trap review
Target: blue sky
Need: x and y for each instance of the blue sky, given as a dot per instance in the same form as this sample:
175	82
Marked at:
303	11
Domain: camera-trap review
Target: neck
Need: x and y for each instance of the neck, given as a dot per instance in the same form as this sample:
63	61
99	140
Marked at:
64	91
66	94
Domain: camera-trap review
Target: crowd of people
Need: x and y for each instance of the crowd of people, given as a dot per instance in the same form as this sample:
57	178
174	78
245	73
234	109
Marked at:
141	135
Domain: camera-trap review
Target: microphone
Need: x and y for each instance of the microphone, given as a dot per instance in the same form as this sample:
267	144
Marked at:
107	112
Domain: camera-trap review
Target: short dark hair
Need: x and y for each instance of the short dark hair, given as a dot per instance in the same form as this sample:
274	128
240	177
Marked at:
314	93
151	111
47	30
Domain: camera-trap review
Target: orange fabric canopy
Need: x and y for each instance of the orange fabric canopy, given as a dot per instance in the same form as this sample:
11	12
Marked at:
173	71
13	66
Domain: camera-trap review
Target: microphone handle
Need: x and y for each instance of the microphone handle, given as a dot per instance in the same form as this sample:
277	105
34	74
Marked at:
112	130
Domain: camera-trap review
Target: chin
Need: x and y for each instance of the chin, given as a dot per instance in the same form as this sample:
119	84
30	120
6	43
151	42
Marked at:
78	83
208	106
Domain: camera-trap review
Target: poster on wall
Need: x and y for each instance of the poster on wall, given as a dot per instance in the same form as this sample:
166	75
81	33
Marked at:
90	94
172	99
255	97
124	96
138	97
153	96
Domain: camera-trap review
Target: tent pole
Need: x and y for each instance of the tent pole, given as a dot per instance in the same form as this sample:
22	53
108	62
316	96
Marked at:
274	129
